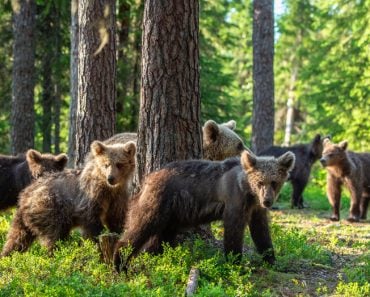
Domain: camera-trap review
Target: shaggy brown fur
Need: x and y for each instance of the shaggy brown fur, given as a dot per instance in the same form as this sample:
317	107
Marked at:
351	170
18	172
189	193
305	156
51	206
219	140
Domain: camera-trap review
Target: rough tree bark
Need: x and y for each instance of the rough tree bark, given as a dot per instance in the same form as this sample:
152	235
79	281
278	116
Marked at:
96	74
23	115
73	84
263	75
169	123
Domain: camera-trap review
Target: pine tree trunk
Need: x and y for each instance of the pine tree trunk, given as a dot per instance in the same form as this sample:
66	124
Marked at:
23	116
74	84
263	75
169	125
96	74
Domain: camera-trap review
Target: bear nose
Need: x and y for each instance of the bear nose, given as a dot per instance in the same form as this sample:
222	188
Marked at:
111	180
323	161
267	203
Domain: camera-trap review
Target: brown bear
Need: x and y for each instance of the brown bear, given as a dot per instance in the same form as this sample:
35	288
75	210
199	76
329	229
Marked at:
51	206
305	156
219	140
189	193
17	172
351	170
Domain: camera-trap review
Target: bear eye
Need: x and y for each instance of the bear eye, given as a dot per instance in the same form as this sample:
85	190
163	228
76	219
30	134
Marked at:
106	165
274	184
260	184
240	147
119	165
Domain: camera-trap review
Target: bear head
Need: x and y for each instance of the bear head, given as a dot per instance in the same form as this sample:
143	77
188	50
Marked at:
333	154
39	163
220	141
116	162
266	175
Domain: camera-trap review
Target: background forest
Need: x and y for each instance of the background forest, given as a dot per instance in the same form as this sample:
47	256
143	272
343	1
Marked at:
321	63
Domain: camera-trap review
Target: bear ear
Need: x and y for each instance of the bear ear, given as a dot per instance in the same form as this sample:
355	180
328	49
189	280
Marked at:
343	145
62	160
230	124
316	147
326	141
97	148
130	148
248	160
33	156
287	161
211	131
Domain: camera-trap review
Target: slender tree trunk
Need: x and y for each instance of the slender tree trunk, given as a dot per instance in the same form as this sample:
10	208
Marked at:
96	74
263	75
74	84
46	97
169	125
290	107
23	117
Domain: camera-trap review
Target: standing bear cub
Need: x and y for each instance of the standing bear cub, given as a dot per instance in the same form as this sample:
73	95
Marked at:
51	206
351	170
17	172
189	193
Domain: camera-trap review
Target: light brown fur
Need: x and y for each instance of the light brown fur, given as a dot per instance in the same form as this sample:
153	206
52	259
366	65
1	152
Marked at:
351	170
53	205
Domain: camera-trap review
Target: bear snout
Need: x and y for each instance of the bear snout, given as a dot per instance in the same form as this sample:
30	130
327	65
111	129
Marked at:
323	162
111	180
267	203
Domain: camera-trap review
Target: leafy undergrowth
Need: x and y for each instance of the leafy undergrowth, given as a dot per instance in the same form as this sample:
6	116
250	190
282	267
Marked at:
315	257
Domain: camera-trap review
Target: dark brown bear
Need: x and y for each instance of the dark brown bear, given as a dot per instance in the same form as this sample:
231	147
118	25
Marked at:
351	170
17	172
189	193
305	156
51	206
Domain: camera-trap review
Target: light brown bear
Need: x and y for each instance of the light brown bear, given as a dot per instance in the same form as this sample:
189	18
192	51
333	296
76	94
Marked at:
219	140
17	172
51	206
351	170
189	193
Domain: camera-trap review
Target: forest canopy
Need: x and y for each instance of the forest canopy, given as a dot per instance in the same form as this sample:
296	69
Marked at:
321	63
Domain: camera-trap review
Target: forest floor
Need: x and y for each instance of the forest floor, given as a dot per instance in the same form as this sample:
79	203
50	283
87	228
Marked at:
315	257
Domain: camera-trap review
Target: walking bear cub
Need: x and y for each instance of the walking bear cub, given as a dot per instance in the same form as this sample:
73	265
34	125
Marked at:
306	155
188	193
17	172
51	206
351	170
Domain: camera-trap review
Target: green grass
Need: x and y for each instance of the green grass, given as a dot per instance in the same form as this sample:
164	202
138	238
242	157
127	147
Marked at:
315	257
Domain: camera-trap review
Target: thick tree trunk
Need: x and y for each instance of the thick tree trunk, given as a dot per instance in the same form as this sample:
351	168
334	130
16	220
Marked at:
263	75
23	117
96	74
169	126
74	84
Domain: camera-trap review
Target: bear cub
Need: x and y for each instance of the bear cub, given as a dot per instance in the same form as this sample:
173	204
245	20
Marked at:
51	206
17	172
306	155
349	169
189	193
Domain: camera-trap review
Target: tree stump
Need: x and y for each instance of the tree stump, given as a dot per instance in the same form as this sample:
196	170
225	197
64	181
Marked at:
107	242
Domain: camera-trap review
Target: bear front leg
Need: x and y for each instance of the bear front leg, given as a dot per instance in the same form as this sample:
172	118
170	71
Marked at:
260	233
298	188
333	189
356	195
364	206
234	226
92	229
19	237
